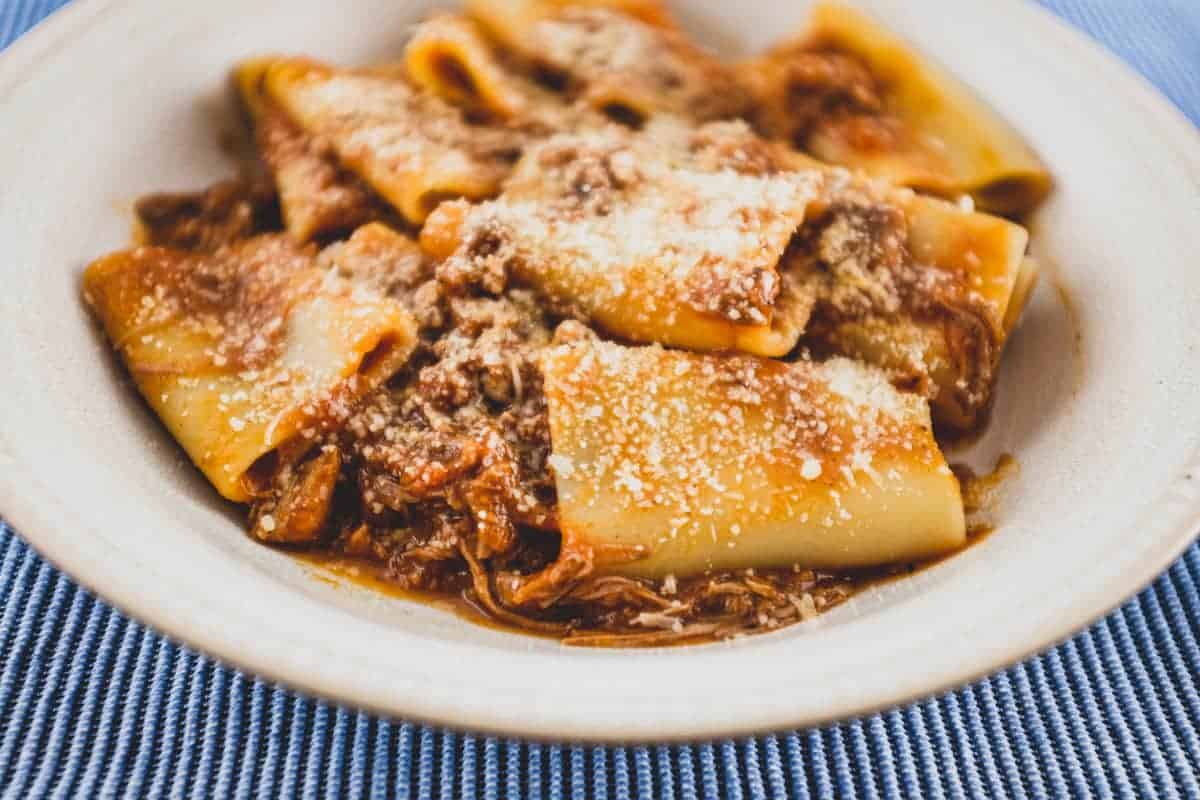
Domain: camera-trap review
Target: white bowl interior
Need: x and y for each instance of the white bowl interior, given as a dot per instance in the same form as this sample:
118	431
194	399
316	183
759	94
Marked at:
1097	397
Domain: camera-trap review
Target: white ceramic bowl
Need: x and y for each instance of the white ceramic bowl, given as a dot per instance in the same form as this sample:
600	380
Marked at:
1098	395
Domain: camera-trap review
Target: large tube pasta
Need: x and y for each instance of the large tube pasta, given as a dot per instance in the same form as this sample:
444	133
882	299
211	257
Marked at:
684	463
946	330
653	243
623	57
317	197
247	351
411	147
631	70
852	93
449	56
509	21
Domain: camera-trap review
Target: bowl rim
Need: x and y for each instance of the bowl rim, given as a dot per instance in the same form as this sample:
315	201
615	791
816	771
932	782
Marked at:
27	504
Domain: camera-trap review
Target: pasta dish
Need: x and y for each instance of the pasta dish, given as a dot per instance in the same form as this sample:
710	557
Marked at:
562	317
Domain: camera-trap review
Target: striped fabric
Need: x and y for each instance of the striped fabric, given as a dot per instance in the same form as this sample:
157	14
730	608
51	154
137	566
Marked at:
95	705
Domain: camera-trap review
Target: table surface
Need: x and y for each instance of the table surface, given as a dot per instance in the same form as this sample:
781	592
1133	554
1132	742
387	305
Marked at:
94	704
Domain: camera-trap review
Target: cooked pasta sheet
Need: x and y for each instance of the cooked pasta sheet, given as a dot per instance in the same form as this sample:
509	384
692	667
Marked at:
851	92
921	287
247	352
247	78
449	56
983	258
616	62
510	21
652	236
1023	286
317	196
675	463
410	146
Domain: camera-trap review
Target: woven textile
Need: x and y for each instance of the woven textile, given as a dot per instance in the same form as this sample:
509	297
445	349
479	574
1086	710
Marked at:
95	705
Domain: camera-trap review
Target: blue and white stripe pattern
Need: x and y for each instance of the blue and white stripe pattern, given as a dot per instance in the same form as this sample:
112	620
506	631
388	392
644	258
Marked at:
95	705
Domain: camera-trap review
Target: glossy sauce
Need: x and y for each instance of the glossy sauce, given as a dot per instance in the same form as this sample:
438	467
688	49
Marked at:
341	571
979	494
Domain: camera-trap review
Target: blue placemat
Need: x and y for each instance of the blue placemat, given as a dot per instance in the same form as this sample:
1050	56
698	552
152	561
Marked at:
93	704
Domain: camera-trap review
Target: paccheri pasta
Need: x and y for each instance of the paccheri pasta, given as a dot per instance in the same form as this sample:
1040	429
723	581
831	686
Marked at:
851	93
559	314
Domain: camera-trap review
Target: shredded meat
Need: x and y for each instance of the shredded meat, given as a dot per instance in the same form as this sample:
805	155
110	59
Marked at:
857	254
224	213
620	611
825	83
849	263
816	89
296	511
